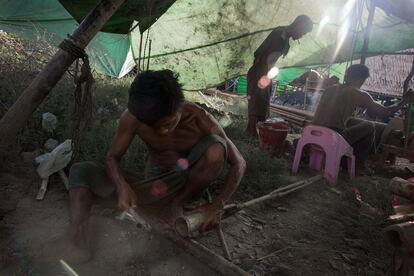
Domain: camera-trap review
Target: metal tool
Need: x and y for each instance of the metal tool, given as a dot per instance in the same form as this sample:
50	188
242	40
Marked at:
133	216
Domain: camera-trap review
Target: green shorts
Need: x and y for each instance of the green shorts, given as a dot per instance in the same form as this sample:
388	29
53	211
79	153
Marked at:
159	182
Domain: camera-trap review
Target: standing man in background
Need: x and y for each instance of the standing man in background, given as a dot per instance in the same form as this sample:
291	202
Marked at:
259	87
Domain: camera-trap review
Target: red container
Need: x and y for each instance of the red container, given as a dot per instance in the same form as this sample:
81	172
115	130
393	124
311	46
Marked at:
272	135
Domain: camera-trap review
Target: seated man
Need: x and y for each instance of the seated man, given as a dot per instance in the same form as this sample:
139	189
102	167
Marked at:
339	102
176	133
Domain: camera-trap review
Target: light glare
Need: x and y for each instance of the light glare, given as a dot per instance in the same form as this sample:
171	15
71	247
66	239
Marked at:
322	24
324	21
273	72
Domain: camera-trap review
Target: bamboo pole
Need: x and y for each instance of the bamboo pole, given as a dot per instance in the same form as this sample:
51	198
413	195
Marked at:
149	54
140	52
39	88
223	241
231	209
408	114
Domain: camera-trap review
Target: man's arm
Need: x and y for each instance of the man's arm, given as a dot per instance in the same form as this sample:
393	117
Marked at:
232	180
236	171
234	158
377	110
123	138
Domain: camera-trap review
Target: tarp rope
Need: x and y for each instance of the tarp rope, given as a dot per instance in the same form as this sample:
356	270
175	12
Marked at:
82	109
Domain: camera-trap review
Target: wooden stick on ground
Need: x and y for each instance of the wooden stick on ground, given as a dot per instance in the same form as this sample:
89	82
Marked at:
220	233
43	188
234	208
223	242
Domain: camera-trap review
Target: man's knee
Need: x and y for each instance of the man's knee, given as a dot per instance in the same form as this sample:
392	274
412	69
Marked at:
215	155
79	174
369	127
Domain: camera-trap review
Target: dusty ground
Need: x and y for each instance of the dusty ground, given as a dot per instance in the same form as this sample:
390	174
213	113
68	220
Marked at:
119	247
320	230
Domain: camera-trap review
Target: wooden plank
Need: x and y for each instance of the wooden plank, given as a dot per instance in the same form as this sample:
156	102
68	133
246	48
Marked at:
43	188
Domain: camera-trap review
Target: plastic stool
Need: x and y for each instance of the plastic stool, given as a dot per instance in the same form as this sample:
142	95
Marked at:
325	142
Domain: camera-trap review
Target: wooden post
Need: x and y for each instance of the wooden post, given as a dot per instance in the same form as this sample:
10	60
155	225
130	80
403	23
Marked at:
406	86
40	87
139	52
368	28
149	54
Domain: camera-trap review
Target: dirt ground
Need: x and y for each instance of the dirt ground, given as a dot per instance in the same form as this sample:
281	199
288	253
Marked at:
320	230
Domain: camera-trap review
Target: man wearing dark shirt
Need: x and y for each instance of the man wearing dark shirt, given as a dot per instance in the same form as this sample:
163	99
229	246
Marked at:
258	83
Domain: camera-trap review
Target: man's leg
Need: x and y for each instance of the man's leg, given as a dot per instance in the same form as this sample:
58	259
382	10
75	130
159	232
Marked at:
202	174
207	160
258	103
251	125
86	179
360	134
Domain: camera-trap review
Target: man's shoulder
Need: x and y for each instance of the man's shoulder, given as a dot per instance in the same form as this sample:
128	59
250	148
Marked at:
331	88
279	30
192	108
355	91
343	88
128	122
192	111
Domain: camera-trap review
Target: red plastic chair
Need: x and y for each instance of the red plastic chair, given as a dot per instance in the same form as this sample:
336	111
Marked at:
329	144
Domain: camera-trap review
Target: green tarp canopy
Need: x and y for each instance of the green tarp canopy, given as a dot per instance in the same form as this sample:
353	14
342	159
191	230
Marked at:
146	12
210	41
110	54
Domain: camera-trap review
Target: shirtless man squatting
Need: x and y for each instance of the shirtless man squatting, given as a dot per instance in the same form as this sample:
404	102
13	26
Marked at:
172	130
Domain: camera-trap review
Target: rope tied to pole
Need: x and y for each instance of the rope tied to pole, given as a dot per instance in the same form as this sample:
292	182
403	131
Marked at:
82	110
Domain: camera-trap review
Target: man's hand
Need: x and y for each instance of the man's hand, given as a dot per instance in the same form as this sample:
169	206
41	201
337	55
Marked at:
127	198
408	96
212	215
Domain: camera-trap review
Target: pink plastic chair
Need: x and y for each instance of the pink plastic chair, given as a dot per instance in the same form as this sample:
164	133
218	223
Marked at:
325	143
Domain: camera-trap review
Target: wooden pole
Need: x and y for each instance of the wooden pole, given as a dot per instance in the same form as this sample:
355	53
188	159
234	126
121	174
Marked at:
149	54
368	31
406	86
40	87
140	52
